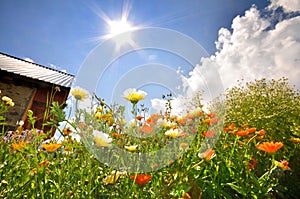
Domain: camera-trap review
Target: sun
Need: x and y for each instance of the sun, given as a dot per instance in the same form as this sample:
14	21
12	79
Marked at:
118	27
119	30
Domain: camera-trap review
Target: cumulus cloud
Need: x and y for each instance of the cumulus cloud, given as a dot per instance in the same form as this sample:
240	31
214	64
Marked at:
253	48
287	5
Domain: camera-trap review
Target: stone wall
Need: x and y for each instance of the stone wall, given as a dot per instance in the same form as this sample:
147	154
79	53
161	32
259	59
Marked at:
21	96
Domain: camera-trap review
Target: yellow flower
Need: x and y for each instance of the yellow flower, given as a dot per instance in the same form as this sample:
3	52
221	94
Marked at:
133	95
168	124
101	139
19	146
33	171
8	101
114	176
131	148
295	140
173	133
284	165
98	115
79	93
51	147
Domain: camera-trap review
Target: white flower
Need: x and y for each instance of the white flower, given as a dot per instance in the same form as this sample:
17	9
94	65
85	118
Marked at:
20	123
133	95
173	133
101	139
79	93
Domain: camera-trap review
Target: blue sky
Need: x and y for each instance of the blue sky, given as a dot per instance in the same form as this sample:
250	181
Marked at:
62	33
241	41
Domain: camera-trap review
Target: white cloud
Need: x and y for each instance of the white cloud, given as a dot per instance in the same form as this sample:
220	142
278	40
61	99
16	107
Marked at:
254	48
28	59
287	5
251	51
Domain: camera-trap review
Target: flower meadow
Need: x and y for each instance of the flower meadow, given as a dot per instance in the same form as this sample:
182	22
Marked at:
248	149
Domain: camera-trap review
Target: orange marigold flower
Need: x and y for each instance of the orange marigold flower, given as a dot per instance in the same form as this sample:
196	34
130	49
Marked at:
207	121
181	120
44	163
141	179
245	126
209	134
251	130
269	147
211	115
231	127
139	117
19	146
51	147
150	121
295	140
116	135
262	132
208	154
242	133
146	128
66	131
153	119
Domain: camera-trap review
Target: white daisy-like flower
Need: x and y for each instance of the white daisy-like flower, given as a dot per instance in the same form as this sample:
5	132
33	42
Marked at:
133	95
101	139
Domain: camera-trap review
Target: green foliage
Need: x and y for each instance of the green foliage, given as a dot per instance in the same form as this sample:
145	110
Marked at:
265	104
234	169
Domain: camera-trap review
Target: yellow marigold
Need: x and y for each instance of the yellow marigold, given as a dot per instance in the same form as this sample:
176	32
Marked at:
131	148
79	93
295	140
133	95
98	115
269	147
19	146
107	117
8	101
51	147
